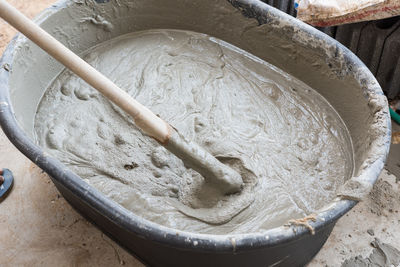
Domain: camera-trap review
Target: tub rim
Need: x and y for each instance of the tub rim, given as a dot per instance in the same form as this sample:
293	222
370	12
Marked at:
165	235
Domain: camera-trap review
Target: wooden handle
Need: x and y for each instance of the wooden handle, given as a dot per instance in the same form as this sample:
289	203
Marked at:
144	118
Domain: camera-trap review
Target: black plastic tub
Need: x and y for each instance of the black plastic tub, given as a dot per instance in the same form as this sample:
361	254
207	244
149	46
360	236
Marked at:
272	35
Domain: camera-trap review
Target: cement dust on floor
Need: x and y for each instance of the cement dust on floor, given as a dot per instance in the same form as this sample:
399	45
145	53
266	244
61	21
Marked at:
39	228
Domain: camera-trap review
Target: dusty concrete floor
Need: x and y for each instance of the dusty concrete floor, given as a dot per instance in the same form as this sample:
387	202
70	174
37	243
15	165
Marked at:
38	227
30	8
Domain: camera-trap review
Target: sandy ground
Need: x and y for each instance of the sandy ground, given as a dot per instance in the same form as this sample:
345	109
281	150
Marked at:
38	227
29	8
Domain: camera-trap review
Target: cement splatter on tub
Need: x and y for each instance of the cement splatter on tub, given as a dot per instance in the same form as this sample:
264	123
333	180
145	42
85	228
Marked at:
288	142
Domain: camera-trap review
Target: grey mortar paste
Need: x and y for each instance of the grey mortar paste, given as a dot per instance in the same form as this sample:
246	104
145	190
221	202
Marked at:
289	143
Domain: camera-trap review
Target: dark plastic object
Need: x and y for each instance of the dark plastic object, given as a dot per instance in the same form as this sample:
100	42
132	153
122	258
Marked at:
376	43
156	245
388	73
6	186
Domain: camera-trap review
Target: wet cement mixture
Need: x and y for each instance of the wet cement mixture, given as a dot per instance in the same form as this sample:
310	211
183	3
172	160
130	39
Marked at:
289	144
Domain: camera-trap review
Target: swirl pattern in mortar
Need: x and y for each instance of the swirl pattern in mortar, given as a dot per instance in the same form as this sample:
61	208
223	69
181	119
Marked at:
245	111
